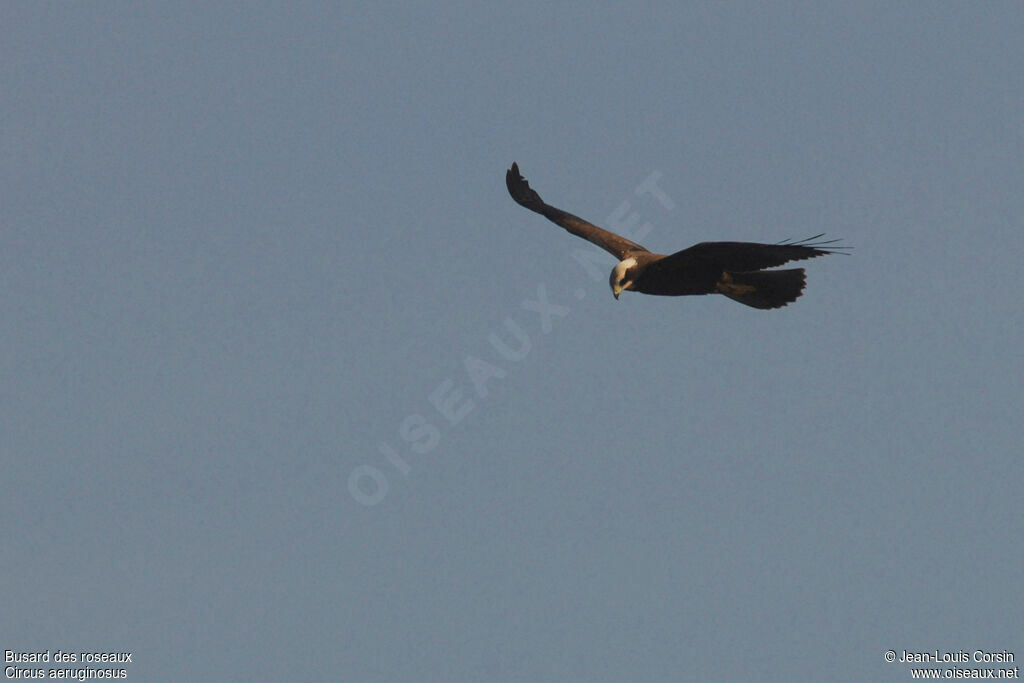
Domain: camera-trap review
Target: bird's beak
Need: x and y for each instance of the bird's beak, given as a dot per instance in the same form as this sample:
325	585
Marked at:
615	294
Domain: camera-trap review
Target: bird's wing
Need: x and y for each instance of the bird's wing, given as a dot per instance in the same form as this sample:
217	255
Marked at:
528	197
740	256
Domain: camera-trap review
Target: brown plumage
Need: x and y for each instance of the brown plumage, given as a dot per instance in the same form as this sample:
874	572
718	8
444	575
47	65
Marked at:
735	269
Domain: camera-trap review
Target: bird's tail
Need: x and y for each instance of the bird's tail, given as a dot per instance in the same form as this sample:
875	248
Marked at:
763	288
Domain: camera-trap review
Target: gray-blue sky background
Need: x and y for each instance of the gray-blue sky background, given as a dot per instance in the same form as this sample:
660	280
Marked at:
242	244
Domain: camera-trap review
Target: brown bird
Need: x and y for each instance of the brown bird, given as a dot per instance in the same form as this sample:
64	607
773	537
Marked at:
735	269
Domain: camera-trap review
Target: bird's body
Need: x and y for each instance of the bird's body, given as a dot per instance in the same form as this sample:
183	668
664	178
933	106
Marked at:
735	269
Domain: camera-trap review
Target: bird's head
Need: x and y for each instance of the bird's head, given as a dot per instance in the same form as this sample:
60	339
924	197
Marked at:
622	277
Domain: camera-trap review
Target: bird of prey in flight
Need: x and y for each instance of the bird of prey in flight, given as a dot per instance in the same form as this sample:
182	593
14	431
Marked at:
735	269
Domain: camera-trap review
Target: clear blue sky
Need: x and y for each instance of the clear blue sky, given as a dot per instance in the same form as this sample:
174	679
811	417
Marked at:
277	399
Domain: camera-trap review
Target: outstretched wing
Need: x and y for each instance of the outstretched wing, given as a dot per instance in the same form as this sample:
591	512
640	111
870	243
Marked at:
528	197
741	256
